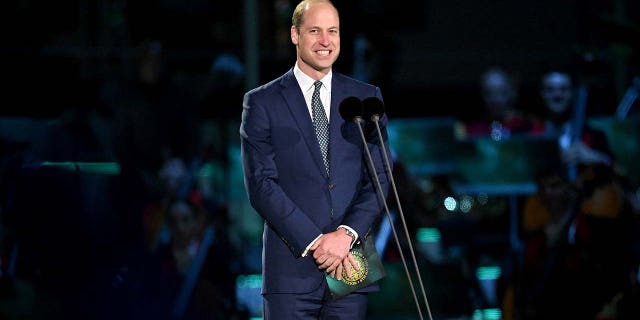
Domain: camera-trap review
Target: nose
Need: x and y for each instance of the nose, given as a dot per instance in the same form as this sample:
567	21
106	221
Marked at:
324	38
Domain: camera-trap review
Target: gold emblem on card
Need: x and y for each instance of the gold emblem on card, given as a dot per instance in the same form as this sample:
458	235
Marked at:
357	276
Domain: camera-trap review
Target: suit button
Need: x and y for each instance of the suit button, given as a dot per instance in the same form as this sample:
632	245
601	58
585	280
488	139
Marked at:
331	186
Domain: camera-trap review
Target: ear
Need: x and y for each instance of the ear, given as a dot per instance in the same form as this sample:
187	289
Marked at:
294	35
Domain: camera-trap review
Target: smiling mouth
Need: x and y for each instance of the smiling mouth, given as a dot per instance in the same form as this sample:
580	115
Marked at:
323	52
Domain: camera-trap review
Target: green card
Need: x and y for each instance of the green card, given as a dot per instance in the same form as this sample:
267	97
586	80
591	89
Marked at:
371	270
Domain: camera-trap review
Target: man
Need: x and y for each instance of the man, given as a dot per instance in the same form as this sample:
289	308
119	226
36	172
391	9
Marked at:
557	96
501	115
314	211
573	221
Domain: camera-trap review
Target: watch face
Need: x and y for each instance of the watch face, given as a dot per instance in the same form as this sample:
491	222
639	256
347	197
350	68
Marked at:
349	233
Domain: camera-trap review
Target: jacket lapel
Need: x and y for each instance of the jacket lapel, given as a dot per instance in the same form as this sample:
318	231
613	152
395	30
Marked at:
298	108
338	94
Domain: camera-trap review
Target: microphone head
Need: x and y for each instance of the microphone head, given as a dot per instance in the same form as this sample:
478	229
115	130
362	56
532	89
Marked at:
372	106
350	108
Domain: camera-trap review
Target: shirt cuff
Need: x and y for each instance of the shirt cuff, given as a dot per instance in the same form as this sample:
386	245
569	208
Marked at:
306	250
352	231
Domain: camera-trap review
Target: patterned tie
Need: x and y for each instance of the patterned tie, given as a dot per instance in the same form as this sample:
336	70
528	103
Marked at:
320	123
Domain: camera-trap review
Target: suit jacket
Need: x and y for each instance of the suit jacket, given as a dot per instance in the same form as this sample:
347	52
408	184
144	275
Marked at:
286	182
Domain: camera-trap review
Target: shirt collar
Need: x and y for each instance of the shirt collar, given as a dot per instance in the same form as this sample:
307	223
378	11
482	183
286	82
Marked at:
306	82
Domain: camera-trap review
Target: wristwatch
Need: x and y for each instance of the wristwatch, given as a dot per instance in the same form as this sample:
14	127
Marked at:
349	233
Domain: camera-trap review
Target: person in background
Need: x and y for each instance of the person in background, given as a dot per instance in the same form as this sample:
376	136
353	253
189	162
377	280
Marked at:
316	202
585	147
501	114
557	93
576	228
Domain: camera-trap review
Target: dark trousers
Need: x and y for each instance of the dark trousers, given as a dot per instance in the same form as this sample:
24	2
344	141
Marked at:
315	305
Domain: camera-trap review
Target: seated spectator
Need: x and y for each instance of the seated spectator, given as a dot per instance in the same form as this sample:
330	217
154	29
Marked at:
501	116
576	227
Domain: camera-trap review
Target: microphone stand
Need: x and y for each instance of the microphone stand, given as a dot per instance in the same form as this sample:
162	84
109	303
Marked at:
375	118
357	120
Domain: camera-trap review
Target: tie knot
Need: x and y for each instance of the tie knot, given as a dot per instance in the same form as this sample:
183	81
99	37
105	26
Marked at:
317	85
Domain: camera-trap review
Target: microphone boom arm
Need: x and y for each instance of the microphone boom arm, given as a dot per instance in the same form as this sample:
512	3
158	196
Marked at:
375	118
386	208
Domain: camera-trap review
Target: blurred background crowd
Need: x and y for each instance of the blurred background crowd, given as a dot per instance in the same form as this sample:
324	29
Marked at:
515	130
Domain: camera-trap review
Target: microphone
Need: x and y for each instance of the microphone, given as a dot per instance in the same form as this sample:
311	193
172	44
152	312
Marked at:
352	109
373	109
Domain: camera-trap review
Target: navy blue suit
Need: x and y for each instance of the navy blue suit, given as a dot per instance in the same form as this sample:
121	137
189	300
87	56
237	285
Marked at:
286	181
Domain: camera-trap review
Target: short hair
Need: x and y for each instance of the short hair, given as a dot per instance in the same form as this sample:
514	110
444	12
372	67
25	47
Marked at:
560	72
296	18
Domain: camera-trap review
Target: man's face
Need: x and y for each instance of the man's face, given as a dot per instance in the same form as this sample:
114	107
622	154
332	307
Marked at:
318	39
185	223
498	93
556	92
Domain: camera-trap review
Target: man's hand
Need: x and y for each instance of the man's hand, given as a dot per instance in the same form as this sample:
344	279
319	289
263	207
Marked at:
347	263
581	153
331	252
